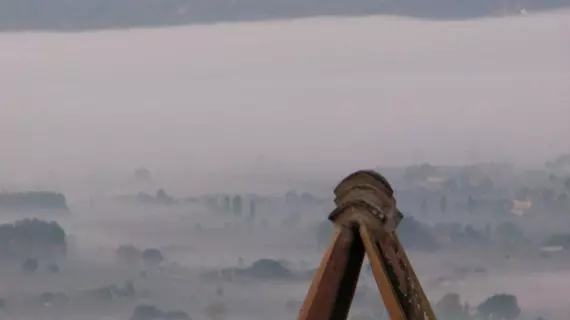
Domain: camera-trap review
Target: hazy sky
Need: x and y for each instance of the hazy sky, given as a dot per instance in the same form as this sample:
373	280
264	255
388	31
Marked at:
320	93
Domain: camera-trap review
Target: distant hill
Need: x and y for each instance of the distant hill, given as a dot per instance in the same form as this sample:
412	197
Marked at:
69	15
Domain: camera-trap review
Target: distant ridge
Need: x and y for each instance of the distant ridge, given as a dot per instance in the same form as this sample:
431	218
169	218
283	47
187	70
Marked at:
65	15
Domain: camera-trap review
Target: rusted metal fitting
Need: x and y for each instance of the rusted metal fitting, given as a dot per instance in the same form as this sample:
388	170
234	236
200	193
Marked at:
366	197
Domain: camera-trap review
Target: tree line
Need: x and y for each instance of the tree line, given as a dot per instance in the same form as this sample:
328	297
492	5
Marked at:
33	200
32	238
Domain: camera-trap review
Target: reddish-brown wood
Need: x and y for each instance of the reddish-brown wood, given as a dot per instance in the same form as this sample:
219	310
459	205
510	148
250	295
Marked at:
385	286
334	283
365	221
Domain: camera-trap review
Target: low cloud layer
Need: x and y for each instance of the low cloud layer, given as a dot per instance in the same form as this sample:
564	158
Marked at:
321	94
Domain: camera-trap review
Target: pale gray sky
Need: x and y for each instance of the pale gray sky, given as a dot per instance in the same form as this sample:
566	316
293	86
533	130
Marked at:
317	93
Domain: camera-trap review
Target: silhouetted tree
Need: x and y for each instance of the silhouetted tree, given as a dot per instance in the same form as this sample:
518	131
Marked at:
268	268
237	205
558	239
471	205
450	307
146	312
143	175
252	210
46	297
499	307
152	257
443	204
226	203
53	268
163	198
143	197
176	315
291	198
424	207
30	265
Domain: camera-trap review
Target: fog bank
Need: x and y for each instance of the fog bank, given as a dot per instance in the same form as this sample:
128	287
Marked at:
321	94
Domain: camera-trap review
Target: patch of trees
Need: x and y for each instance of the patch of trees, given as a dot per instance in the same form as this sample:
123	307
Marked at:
150	312
293	199
262	269
31	265
499	307
32	238
33	200
236	204
161	198
110	292
268	269
416	236
104	294
131	255
496	307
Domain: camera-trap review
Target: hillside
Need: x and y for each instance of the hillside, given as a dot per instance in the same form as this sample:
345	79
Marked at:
70	15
